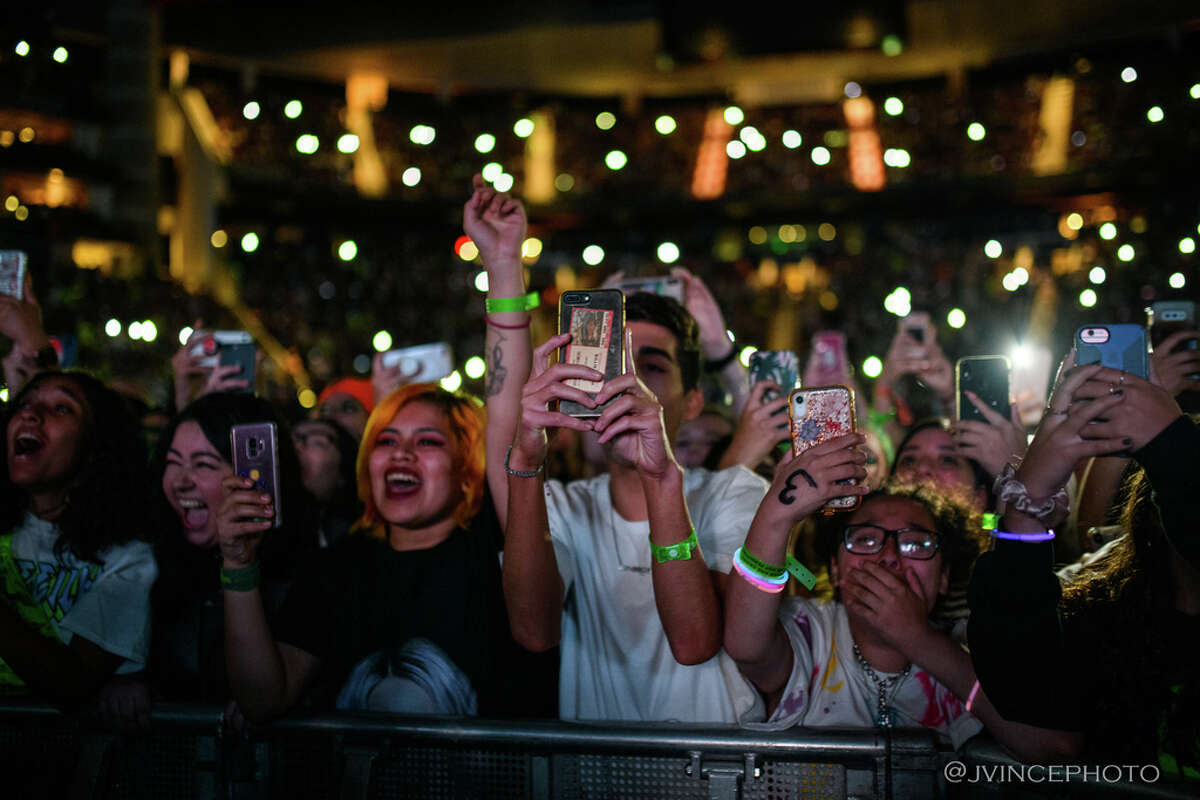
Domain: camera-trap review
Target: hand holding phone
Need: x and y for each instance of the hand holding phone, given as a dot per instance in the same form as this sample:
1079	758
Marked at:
595	320
255	449
987	377
827	361
817	415
1121	346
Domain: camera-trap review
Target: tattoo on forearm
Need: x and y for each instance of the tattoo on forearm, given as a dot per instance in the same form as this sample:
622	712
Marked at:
788	495
496	372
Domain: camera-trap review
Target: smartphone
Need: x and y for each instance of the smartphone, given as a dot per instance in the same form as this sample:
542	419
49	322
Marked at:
671	287
780	366
827	361
817	415
1120	346
987	377
595	318
255	447
1171	316
918	327
12	273
1029	381
424	362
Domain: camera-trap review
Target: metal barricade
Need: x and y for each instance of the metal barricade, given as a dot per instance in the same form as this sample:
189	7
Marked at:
191	754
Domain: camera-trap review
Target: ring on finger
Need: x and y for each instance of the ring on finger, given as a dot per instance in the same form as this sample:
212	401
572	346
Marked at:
1121	379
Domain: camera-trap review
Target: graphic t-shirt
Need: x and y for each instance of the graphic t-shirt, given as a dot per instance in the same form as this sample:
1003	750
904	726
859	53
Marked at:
828	687
106	603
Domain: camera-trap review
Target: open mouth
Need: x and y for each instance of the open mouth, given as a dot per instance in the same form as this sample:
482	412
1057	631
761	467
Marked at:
26	444
194	512
401	483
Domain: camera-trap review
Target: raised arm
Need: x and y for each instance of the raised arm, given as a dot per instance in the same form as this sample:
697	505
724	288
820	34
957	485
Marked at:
21	321
496	223
714	341
754	637
265	676
533	587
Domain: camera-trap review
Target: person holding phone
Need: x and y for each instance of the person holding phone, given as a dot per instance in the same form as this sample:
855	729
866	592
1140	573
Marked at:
21	322
640	555
194	378
417	581
1117	664
871	656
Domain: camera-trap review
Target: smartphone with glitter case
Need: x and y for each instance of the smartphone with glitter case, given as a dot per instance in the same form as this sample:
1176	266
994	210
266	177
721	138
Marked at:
817	415
256	456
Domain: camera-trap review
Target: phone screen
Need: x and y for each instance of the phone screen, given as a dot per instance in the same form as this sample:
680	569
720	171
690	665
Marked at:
988	378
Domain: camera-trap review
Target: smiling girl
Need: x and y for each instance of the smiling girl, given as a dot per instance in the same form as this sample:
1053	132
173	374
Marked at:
408	604
77	571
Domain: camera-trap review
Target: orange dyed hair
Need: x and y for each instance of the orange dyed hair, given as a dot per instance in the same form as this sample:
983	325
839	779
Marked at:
466	416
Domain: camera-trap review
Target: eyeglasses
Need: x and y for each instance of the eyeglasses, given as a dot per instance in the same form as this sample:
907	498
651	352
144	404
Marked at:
865	540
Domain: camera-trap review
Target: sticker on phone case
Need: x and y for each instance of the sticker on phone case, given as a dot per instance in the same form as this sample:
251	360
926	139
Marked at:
591	331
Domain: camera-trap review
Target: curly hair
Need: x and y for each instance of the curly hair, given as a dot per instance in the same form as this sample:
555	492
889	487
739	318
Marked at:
1117	607
955	520
111	489
466	417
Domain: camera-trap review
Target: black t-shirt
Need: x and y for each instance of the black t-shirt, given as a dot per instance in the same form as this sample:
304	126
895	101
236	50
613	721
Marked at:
361	596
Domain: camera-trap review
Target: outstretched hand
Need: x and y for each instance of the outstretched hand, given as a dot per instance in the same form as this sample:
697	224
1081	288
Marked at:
539	398
496	222
243	518
633	422
993	443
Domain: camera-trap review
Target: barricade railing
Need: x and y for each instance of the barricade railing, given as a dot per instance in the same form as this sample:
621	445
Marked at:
190	753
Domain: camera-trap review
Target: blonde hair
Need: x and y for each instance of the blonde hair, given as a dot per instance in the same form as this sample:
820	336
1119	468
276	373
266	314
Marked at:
466	416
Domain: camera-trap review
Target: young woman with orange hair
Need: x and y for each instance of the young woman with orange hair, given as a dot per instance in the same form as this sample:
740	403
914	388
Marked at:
406	613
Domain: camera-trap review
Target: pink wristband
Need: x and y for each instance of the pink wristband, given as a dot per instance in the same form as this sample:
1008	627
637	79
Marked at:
971	696
758	583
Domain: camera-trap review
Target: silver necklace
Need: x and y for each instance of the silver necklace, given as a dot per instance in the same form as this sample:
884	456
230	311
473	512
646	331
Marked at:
883	718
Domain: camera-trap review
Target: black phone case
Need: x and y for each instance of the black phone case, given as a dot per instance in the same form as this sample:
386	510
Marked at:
255	448
987	377
591	348
243	355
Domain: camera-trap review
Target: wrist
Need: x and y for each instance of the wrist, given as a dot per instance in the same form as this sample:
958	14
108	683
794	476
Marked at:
662	484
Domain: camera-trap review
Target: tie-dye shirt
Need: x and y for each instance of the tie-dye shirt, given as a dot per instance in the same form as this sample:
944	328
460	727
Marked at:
828	687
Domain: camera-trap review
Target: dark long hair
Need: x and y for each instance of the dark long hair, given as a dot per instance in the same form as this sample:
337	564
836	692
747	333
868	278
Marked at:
216	414
1119	607
110	495
978	473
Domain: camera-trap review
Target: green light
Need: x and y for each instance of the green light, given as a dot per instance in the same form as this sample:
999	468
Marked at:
744	356
251	110
250	242
893	106
668	252
347	250
293	109
1108	231
475	367
615	160
484	143
22	48
734	115
976	131
60	55
891	45
1087	298
1155	114
605	120
665	124
820	156
1177	280
347	143
1187	245
523	127
593	254
956	318
1126	252
993	249
872	366
452	382
491	171
792	139
382	342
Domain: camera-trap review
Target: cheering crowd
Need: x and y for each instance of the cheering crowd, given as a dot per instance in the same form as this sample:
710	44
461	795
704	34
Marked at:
660	558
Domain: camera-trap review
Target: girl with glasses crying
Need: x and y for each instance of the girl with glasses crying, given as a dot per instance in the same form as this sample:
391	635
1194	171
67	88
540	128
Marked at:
871	656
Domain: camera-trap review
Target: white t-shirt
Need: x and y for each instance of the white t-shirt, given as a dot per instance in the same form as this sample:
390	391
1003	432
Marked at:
107	604
616	661
828	687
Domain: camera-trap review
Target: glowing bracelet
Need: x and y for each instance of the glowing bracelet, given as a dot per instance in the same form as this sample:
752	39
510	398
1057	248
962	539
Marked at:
1043	536
757	582
497	305
748	566
990	521
680	551
759	566
971	696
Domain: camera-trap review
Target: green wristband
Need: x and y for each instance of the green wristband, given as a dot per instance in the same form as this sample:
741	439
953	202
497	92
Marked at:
990	521
497	305
758	565
801	573
681	551
245	579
